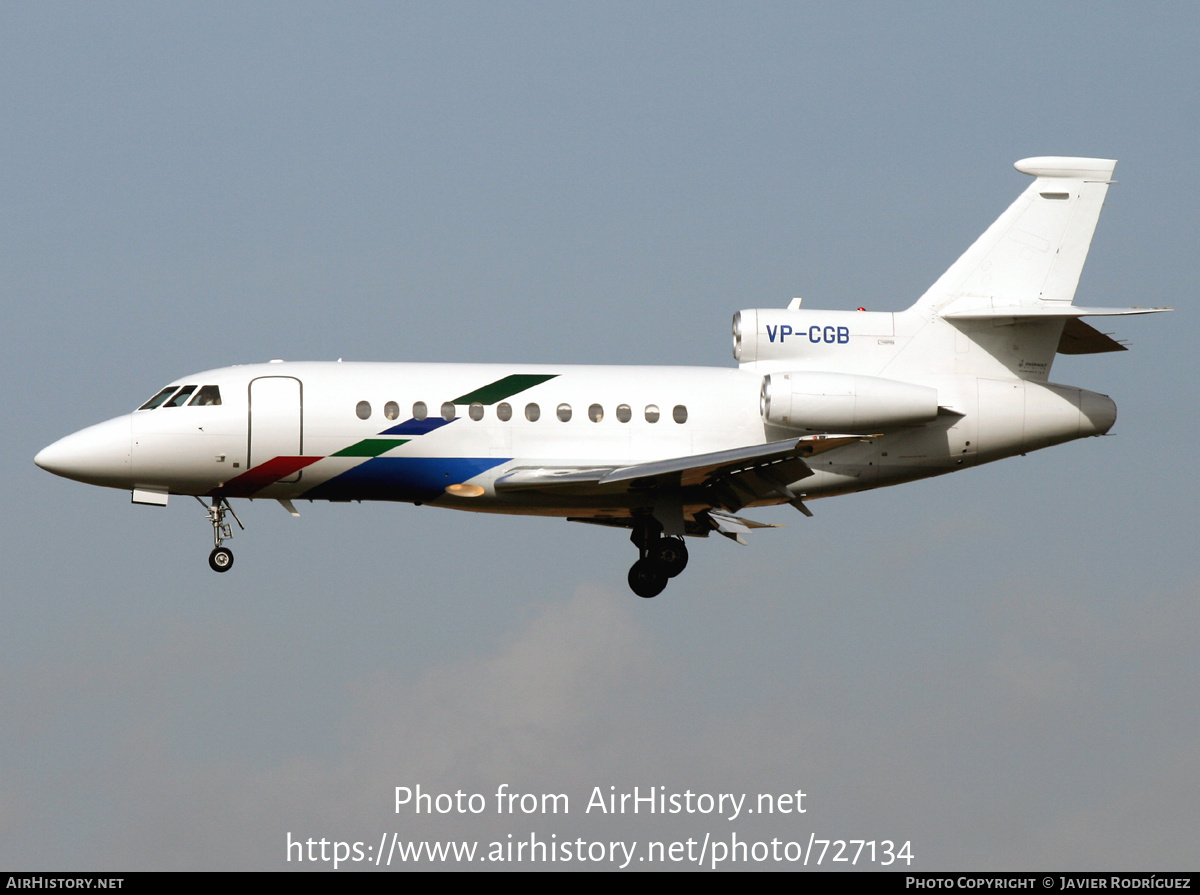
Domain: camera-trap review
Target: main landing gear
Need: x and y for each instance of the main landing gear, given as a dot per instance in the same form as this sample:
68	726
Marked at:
659	558
221	558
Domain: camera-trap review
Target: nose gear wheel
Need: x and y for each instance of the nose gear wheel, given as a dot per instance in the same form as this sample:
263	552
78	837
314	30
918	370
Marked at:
221	558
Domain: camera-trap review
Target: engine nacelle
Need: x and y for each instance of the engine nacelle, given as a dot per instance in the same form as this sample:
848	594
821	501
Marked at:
777	334
844	402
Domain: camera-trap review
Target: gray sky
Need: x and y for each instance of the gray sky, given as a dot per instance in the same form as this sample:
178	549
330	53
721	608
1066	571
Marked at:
998	666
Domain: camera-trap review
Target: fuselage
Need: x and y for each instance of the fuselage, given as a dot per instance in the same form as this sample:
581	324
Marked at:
408	432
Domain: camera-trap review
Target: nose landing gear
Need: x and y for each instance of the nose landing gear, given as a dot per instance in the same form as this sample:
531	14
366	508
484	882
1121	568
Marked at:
221	558
659	558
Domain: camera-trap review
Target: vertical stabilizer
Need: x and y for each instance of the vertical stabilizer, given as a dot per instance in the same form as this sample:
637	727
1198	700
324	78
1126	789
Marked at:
1032	256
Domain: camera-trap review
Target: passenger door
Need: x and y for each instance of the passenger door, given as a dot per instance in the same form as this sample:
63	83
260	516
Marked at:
276	420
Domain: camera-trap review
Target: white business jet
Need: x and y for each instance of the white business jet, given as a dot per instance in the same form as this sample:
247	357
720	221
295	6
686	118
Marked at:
821	403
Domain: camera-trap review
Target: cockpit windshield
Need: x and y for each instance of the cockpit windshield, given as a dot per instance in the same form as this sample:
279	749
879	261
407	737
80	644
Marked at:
159	398
207	396
181	396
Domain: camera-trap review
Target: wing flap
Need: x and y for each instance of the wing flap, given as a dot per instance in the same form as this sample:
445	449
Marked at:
700	526
734	527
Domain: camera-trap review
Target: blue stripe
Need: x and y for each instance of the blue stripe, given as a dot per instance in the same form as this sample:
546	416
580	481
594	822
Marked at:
417	427
402	478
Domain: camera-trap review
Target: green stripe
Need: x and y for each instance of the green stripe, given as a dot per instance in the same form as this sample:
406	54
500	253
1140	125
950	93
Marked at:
504	388
371	447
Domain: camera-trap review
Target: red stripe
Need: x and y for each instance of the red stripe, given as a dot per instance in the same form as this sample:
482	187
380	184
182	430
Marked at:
254	480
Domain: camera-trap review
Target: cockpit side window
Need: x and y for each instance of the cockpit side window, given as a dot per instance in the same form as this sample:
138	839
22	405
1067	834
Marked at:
181	397
209	395
159	398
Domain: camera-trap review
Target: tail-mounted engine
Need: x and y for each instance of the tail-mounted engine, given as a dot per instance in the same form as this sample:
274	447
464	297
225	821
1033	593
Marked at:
777	334
843	402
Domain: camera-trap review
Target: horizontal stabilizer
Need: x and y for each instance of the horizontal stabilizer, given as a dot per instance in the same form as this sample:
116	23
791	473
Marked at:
1043	312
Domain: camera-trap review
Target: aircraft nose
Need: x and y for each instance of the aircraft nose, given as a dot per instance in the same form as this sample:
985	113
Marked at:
98	455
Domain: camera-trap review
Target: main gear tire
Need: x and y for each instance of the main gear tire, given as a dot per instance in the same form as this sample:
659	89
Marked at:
672	555
647	578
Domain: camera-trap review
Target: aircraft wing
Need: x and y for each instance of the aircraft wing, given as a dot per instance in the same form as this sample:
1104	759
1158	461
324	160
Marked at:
735	477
